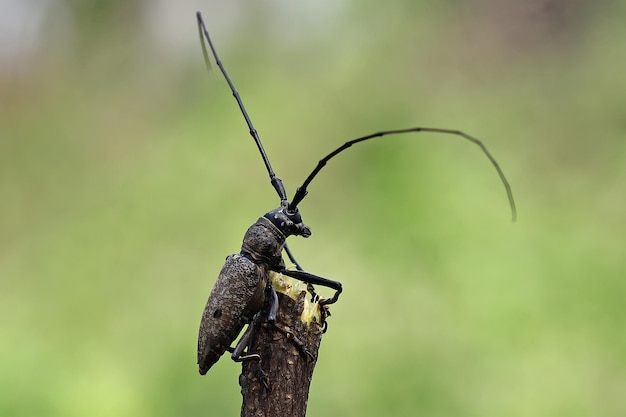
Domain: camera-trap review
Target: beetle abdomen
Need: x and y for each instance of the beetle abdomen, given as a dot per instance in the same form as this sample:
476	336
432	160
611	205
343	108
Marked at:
236	296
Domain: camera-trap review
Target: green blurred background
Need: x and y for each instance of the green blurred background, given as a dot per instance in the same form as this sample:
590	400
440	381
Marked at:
127	175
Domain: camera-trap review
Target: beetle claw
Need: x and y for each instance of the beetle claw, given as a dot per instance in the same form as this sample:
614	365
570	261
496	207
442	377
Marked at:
265	380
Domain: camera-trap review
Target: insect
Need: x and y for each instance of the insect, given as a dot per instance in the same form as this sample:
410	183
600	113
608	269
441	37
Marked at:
244	282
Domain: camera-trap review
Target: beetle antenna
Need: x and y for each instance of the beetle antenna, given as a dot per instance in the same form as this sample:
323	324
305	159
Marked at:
301	192
276	182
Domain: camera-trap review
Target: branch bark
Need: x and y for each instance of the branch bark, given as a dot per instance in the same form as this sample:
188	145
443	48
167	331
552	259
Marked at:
287	367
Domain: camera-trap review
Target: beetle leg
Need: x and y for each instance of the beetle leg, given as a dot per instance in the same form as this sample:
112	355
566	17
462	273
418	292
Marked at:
317	280
271	316
297	342
314	296
238	354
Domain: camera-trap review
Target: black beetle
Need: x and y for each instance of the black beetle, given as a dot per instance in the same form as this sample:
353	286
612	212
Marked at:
244	282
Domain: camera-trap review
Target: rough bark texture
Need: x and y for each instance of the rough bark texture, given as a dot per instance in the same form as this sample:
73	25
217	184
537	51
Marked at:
288	369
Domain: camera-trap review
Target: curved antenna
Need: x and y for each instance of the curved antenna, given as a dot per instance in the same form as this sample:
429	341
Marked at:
301	192
276	182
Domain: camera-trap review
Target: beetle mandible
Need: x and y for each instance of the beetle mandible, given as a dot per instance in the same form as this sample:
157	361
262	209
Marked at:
244	281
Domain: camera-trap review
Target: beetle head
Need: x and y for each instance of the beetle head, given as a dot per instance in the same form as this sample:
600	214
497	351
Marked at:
289	222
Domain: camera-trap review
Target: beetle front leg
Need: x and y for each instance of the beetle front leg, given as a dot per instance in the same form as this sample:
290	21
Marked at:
316	280
314	296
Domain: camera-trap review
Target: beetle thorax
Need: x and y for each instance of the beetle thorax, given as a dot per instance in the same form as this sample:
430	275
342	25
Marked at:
263	242
265	239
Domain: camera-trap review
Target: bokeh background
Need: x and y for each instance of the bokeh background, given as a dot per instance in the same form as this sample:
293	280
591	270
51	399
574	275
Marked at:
127	175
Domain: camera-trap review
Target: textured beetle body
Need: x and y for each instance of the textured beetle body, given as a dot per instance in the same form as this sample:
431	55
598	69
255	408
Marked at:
239	292
235	298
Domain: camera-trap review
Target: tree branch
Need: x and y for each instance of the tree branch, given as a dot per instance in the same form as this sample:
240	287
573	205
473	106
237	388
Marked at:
285	362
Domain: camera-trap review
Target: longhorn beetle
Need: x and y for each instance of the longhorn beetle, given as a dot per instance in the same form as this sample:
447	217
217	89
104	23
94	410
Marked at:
244	281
